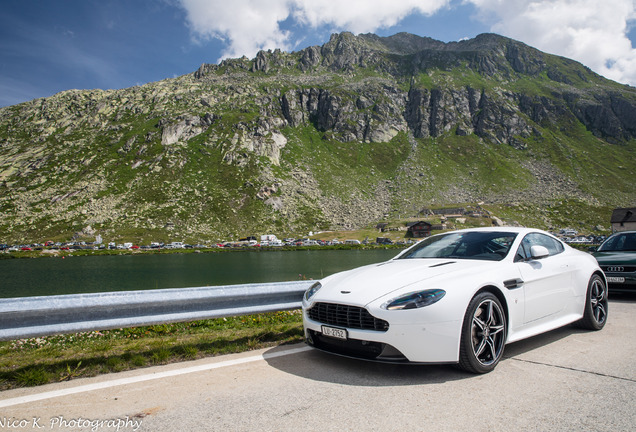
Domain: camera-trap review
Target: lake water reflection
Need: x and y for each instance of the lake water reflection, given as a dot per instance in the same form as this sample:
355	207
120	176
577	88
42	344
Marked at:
84	274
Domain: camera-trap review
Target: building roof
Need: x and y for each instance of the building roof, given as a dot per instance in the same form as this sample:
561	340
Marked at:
622	215
412	224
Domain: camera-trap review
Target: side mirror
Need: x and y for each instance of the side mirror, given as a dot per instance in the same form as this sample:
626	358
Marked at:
592	249
539	252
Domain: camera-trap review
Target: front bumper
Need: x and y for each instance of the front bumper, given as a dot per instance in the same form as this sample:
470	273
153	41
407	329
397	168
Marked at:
361	349
623	280
415	342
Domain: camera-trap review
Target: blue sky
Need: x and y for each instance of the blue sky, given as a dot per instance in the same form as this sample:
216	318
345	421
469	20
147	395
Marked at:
50	46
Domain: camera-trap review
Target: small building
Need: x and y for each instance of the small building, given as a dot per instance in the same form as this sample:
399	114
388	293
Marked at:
624	219
419	229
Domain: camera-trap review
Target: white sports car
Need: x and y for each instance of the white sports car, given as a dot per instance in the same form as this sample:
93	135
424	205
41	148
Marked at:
457	297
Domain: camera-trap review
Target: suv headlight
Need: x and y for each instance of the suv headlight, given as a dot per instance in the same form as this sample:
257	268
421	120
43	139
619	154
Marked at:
312	290
415	300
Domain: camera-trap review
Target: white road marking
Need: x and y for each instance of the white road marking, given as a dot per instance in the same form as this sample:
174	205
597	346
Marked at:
148	377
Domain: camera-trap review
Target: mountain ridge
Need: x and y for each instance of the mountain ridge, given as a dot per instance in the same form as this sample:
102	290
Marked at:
339	136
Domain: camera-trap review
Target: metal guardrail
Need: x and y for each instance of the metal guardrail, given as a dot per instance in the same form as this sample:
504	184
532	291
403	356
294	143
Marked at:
27	317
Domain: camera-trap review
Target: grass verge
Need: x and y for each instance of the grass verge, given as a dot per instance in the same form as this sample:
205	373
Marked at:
38	361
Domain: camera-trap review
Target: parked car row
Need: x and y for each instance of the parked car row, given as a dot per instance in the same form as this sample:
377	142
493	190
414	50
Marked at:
41	246
591	239
94	246
307	242
246	242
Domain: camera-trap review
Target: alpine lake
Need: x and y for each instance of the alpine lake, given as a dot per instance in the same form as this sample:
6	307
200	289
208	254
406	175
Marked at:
105	273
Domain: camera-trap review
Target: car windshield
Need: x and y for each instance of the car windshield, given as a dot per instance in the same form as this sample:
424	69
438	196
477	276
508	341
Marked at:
490	246
619	242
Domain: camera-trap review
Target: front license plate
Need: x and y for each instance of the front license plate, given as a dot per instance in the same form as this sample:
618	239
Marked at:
334	332
616	279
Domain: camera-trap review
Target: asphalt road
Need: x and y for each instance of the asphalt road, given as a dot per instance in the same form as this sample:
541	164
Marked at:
566	380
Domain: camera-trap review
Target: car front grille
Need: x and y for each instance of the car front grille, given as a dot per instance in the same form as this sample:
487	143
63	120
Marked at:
346	316
618	269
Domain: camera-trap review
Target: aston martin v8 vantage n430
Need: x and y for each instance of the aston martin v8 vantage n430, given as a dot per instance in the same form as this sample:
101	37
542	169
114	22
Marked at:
457	297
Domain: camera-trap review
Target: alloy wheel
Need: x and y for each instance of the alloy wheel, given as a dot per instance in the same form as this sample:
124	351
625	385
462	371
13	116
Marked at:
598	300
488	332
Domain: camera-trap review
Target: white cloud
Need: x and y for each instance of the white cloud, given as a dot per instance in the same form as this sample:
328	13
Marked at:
360	16
250	25
245	25
593	32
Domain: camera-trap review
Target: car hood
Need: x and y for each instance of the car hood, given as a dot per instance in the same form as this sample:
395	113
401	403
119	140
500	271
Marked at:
615	257
366	284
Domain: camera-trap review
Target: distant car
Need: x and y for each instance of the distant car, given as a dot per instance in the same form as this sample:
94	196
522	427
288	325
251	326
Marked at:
617	258
383	241
457	297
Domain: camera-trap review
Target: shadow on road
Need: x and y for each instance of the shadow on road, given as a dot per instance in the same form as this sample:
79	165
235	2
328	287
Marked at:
623	297
319	366
523	346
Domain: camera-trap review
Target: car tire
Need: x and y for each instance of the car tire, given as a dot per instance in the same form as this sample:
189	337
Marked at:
483	335
596	307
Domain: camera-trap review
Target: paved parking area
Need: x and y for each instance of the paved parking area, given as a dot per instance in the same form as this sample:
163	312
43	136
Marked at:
566	380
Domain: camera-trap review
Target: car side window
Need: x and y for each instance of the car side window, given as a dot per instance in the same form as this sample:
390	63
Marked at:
553	246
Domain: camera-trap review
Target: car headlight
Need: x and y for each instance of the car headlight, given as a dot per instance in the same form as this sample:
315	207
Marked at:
415	300
312	290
